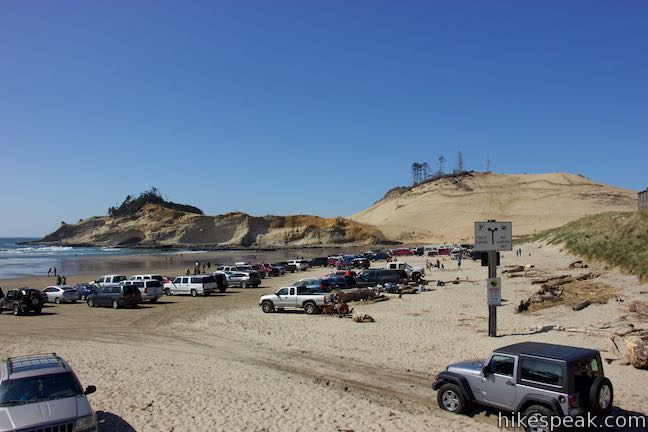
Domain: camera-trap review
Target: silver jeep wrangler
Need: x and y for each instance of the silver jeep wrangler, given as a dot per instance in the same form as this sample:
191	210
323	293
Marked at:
537	380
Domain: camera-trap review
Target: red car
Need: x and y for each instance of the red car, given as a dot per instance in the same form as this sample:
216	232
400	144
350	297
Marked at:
402	252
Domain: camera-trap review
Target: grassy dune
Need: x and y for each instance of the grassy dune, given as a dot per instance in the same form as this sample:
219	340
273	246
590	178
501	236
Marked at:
616	238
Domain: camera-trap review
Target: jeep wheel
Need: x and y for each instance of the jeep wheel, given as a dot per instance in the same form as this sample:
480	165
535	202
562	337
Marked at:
267	306
194	293
601	396
310	308
167	291
450	398
115	305
537	419
416	277
35	301
16	310
57	300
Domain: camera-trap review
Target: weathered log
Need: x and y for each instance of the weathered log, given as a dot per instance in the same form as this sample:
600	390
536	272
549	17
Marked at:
548	279
582	305
515	269
637	352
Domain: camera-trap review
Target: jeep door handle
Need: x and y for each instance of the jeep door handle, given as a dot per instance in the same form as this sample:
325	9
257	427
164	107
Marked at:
509	382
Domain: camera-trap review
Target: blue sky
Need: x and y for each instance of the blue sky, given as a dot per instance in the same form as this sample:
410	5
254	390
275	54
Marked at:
281	107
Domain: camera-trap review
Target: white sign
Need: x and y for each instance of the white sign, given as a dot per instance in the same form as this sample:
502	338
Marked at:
493	236
494	291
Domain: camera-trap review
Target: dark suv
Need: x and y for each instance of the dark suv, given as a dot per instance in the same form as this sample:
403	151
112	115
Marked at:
22	300
535	379
115	296
374	277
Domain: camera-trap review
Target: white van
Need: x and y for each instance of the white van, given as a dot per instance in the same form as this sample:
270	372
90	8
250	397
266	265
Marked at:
151	289
193	285
147	277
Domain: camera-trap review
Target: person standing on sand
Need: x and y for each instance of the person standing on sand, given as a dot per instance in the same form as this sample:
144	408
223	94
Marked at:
188	272
54	271
58	280
438	264
64	280
49	272
459	263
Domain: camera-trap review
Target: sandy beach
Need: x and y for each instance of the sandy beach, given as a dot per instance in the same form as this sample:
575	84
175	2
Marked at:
219	363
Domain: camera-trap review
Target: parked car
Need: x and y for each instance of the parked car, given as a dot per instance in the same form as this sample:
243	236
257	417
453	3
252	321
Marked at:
380	256
300	264
292	297
279	269
535	379
270	270
413	273
60	294
289	267
109	280
150	289
402	252
243	279
319	262
192	285
360	263
42	393
115	296
22	300
335	281
314	284
374	277
263	273
83	290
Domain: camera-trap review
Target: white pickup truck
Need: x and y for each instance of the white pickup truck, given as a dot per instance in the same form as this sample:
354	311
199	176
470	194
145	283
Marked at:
294	297
413	273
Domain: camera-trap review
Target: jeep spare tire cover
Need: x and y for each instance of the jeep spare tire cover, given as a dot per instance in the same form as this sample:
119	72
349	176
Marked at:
35	301
601	396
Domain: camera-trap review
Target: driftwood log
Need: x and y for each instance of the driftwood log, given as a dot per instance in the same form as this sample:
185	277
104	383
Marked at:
355	294
582	305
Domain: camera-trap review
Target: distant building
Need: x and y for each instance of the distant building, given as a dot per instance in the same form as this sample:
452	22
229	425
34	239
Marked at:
643	200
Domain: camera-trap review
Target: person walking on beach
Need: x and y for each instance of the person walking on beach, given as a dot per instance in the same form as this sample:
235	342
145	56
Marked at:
459	263
58	280
64	280
438	264
49	272
209	265
54	271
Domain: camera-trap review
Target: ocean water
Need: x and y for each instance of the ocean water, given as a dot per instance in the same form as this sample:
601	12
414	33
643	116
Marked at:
18	260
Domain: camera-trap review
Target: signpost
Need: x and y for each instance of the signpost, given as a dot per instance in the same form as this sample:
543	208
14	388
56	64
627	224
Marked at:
493	237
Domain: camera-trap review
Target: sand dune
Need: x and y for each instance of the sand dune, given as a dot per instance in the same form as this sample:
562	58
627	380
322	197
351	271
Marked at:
445	209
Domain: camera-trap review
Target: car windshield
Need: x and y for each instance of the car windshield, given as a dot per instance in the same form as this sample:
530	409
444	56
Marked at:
37	389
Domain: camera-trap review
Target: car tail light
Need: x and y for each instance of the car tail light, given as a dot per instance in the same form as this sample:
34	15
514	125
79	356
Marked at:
572	400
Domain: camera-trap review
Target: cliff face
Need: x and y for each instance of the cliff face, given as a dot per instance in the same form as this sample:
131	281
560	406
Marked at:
155	225
445	209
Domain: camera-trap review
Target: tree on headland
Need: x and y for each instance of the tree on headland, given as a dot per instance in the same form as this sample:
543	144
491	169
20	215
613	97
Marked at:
441	160
153	196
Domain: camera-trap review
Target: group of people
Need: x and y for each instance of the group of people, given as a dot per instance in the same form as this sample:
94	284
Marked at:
429	264
518	252
60	280
206	265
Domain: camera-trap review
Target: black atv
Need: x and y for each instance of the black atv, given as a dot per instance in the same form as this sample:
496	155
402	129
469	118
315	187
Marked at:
22	300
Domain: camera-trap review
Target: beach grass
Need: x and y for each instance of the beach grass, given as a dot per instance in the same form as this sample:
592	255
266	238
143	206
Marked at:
616	238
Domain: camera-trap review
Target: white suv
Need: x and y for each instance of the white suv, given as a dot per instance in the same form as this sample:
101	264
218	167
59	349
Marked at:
151	289
147	277
193	285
